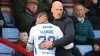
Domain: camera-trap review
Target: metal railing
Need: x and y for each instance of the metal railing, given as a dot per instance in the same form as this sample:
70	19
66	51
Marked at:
19	51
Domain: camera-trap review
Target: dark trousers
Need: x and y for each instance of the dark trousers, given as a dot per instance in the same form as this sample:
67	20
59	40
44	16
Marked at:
76	51
63	52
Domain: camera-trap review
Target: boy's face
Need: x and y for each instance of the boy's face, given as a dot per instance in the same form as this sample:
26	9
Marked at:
42	18
23	36
96	47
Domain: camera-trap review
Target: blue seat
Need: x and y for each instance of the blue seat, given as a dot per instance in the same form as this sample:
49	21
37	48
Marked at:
84	48
7	19
96	33
11	34
5	50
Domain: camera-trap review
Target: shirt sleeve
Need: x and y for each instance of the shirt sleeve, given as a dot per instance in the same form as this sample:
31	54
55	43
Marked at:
59	33
31	36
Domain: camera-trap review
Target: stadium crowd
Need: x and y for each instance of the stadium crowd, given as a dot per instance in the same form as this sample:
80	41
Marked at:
77	29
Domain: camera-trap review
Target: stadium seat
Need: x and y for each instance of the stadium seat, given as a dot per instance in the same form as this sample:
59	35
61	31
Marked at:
68	4
11	34
7	20
7	12
96	33
84	48
5	50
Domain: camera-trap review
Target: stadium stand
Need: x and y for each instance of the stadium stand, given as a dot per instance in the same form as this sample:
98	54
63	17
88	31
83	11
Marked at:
11	34
84	48
5	50
7	20
14	47
6	9
97	33
68	4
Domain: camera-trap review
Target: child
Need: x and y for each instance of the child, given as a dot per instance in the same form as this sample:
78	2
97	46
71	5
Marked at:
96	48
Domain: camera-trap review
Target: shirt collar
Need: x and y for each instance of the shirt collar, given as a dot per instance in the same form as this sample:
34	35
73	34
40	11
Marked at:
80	19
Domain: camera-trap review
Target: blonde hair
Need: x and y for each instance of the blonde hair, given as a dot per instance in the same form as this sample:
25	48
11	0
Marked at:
74	12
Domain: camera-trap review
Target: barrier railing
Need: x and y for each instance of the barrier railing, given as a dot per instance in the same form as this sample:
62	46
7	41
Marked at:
16	47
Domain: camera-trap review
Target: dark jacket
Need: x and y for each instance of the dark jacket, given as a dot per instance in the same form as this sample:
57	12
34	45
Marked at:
93	13
83	31
1	17
66	25
25	21
19	6
93	52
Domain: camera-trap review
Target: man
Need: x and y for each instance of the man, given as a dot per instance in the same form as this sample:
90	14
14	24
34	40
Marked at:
27	19
41	32
61	20
83	28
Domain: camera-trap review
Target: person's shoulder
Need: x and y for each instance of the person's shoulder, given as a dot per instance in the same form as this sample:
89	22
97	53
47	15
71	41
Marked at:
87	19
38	25
90	53
54	26
35	27
67	19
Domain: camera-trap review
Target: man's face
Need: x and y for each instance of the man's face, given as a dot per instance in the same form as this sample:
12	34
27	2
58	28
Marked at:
79	11
57	11
32	7
96	47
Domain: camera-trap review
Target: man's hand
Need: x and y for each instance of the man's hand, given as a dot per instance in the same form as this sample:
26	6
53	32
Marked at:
42	46
47	44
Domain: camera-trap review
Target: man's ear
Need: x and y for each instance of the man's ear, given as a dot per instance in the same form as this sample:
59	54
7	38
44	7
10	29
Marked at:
51	9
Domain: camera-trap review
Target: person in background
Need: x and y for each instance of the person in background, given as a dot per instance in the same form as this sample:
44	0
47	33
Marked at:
93	12
60	19
96	48
23	37
27	19
83	28
16	4
1	22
